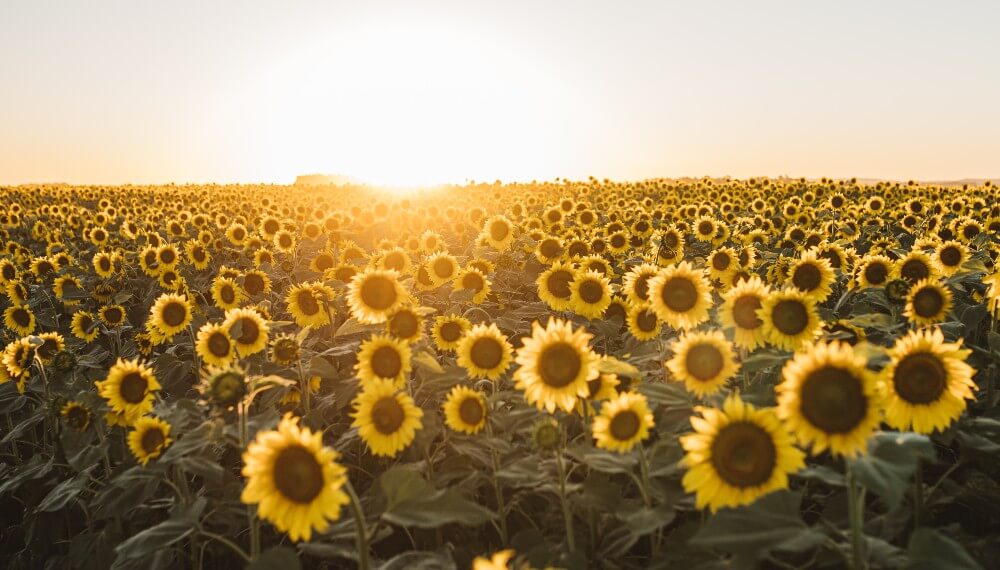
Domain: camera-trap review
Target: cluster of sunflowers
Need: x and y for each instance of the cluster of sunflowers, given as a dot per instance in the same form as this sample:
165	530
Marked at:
564	374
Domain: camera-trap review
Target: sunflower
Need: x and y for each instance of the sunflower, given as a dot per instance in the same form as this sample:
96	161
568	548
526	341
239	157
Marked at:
812	275
197	254
471	279
406	324
17	358
484	352
549	250
84	326
555	365
992	294
465	410
448	331
916	266
722	262
789	319
499	232
387	420
52	344
223	387
926	383
554	286
226	293
704	361
248	330
383	358
129	388
497	561
76	415
874	270
149	437
441	268
67	286
642	322
170	314
294	479
950	256
624	422
256	282
928	302
829	399
104	264
309	304
738	311
374	294
635	284
19	319
736	455
285	350
680	296
112	315
214	345
590	294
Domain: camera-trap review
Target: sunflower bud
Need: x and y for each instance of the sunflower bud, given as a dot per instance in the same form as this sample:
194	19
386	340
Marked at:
546	435
897	290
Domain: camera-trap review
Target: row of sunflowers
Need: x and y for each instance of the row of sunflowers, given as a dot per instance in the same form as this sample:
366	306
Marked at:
720	373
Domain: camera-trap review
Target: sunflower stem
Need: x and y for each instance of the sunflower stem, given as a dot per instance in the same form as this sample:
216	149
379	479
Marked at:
501	507
306	389
361	529
567	516
646	497
244	430
856	514
918	494
104	449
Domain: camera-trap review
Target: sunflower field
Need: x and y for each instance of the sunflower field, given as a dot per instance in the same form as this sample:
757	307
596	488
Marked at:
697	373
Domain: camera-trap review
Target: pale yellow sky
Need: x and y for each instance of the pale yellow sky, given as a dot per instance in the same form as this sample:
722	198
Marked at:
422	92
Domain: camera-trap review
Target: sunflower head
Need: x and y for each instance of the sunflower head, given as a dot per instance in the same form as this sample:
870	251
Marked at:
285	350
555	365
149	437
547	434
623	423
223	387
465	410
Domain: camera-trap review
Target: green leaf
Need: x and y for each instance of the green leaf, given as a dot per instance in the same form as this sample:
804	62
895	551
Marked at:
645	520
63	493
153	539
419	560
891	460
769	522
438	509
277	558
400	484
764	359
931	550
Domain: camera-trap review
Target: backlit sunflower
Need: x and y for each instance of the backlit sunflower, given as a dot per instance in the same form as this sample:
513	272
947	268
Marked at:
149	437
736	455
310	304
374	294
790	319
76	415
226	293
129	388
84	326
829	399
812	275
590	294
406	324
387	420
554	286
170	314
248	329
484	352
499	232
285	350
555	365
471	279
704	361
738	311
383	358
635	284
926	383
928	302
448	331
441	268
624	422
19	319
294	479
465	410
214	345
681	296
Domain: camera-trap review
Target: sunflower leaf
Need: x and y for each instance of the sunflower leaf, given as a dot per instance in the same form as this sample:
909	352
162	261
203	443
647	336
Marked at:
891	460
768	523
931	550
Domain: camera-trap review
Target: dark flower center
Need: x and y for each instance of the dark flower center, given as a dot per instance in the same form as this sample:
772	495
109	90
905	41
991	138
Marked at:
744	455
832	400
876	273
704	361
152	439
307	302
378	293
806	277
133	388
591	291
486	353
558	283
920	378
679	294
928	302
386	362
559	364
790	317
218	344
624	426
387	415
471	411
451	331
297	474
174	313
745	312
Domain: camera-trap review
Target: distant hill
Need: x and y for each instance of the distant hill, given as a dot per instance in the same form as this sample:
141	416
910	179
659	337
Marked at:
324	180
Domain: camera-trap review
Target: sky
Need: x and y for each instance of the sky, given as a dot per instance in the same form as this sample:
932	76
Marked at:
113	92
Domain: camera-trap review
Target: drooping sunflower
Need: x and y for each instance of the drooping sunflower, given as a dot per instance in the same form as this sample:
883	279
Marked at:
374	294
928	302
829	399
19	319
624	422
285	350
387	420
738	311
84	326
737	454
294	479
554	285
407	323
590	294
555	365
149	437
790	319
383	358
129	388
67	289
642	322
214	345
681	296
484	352
310	304
448	331
76	415
170	314
465	410
926	383
812	275
248	329
704	361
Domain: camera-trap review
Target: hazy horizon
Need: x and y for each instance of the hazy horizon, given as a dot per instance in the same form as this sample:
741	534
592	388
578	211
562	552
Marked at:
112	92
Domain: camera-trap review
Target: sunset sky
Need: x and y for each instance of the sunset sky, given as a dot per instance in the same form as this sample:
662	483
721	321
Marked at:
423	92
